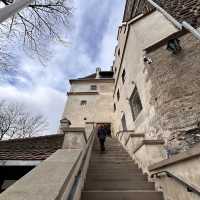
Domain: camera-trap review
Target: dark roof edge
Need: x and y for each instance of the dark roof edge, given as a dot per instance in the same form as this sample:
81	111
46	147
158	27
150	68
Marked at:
82	93
92	80
32	138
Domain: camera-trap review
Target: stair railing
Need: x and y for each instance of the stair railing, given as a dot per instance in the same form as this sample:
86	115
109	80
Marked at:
189	187
81	174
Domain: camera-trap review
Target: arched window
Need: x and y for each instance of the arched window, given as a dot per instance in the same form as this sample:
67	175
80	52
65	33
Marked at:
135	103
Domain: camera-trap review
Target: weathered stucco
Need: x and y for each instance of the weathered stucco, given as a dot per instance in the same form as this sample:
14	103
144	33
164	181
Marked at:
137	36
186	167
99	106
169	87
175	92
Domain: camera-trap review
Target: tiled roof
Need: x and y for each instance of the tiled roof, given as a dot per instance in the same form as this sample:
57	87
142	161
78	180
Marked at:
37	148
136	7
188	10
183	10
103	74
91	76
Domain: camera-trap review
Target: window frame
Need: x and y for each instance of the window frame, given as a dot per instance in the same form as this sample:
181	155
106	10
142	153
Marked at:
123	76
114	106
135	113
83	102
93	87
118	95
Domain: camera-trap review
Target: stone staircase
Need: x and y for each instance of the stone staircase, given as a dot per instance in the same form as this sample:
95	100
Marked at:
113	175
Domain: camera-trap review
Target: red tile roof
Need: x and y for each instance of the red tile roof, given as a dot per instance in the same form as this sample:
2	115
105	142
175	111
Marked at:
181	10
36	148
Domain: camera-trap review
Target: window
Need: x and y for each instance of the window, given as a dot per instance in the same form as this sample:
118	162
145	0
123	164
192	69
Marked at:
118	52
93	87
136	104
118	95
123	76
114	107
123	121
125	29
83	102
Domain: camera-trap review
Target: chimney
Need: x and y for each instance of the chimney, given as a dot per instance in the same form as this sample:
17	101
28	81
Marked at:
98	70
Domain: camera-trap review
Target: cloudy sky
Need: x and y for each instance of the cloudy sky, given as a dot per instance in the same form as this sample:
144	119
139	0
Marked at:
91	43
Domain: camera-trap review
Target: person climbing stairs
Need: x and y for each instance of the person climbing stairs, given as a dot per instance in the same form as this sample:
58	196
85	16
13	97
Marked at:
113	175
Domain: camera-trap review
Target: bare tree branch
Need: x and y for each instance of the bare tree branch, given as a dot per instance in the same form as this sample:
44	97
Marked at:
36	24
16	122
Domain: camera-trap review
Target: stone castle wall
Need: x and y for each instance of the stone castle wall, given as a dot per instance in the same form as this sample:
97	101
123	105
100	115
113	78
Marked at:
175	93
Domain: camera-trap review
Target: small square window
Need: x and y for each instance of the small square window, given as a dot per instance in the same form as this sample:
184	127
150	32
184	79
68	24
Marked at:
114	107
93	87
83	102
118	95
118	52
123	76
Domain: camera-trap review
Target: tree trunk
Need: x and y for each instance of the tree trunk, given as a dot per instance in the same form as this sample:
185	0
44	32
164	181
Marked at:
12	9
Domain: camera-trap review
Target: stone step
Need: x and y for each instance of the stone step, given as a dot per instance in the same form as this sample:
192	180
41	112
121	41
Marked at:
101	161
120	154
112	175
112	166
113	170
119	185
125	174
114	158
121	195
95	177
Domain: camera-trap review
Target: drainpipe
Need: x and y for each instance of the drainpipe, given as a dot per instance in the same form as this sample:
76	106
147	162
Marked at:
168	16
180	26
10	10
194	31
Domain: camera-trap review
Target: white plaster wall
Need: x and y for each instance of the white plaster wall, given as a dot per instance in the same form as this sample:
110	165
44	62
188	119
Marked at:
148	155
99	107
142	34
85	86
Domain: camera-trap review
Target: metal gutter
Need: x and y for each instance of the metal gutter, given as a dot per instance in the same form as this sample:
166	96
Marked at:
194	31
179	25
168	16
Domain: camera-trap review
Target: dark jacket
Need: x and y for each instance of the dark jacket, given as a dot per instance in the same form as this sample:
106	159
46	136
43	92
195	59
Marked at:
102	133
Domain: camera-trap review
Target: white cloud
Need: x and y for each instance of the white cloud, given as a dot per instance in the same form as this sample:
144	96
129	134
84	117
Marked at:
92	43
45	100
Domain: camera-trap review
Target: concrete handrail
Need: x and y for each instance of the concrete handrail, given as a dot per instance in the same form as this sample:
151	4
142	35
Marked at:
81	173
55	178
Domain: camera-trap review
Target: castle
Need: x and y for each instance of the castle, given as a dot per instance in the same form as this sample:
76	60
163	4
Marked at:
150	99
